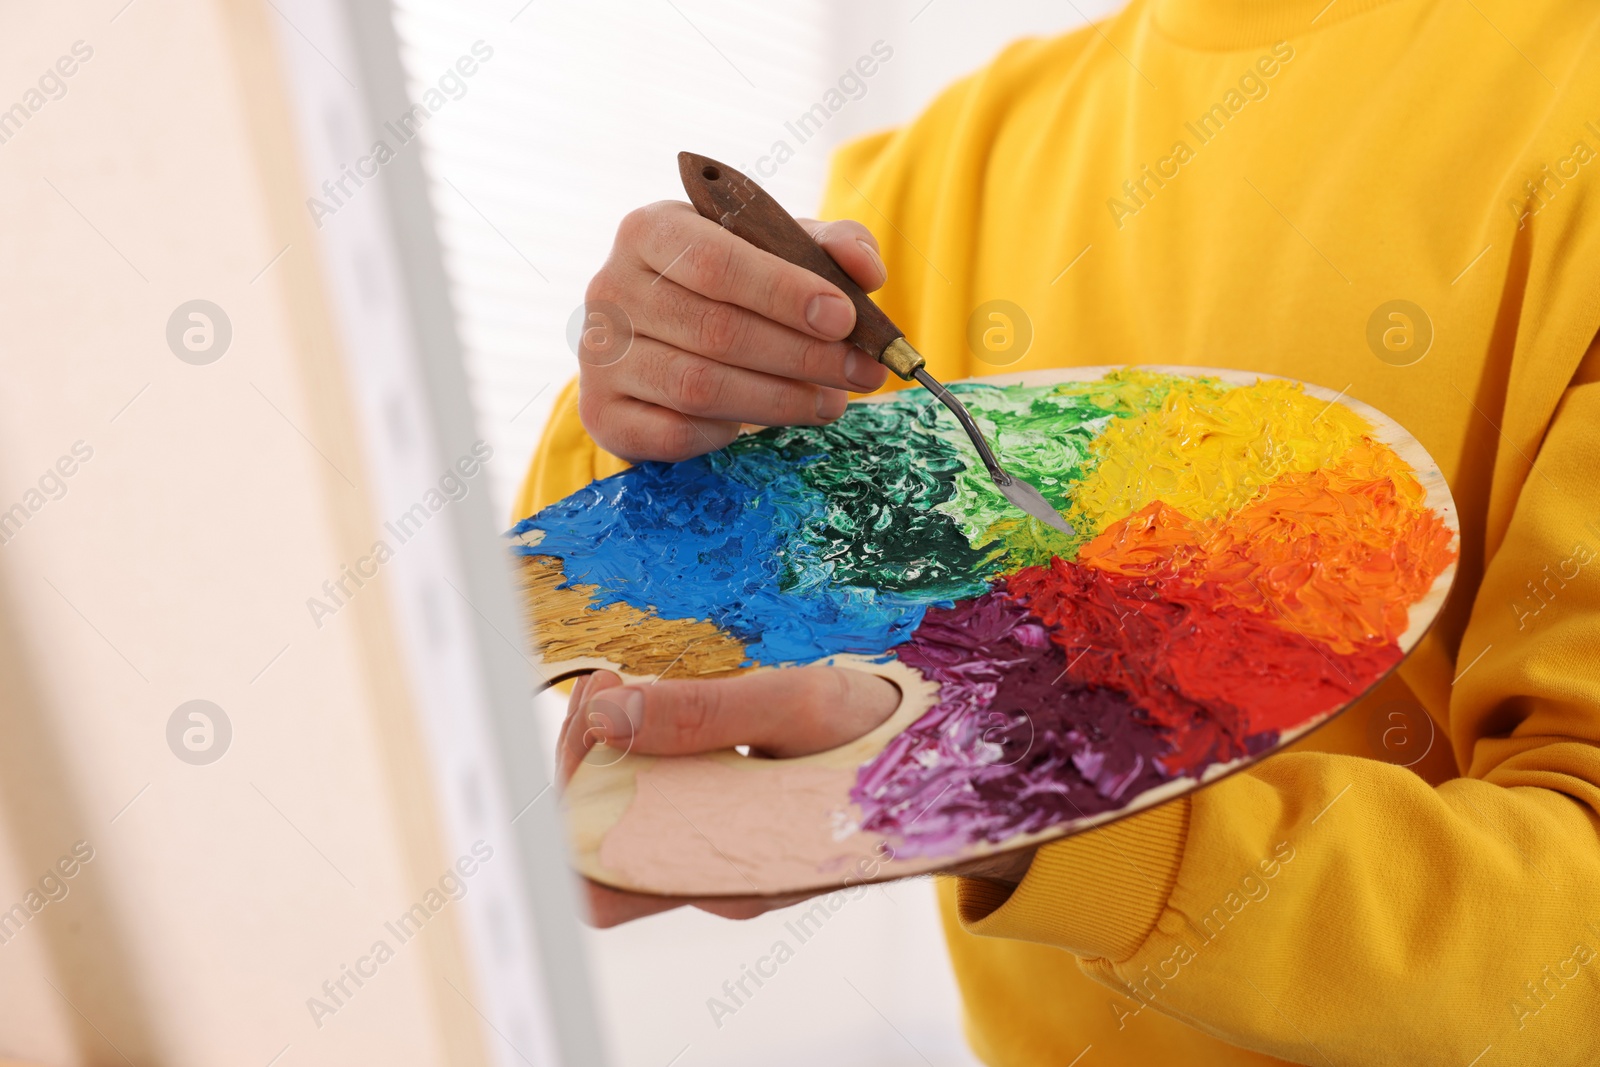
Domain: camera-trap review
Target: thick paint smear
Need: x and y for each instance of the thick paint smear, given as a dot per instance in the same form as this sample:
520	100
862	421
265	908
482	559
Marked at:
713	538
801	542
1213	677
567	626
1011	747
884	479
1336	556
1044	436
1209	448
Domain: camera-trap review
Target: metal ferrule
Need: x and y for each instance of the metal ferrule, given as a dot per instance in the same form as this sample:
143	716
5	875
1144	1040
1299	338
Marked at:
901	358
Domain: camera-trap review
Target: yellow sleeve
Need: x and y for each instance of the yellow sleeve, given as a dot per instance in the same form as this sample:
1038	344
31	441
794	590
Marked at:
1319	906
566	460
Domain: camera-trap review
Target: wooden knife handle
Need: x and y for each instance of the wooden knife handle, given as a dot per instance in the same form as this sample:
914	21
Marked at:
746	210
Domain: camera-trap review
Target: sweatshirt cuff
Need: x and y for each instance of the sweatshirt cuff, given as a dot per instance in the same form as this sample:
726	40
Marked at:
1096	894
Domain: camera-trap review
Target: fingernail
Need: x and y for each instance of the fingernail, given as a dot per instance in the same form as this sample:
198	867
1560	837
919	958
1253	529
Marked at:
831	403
831	316
617	713
877	260
862	371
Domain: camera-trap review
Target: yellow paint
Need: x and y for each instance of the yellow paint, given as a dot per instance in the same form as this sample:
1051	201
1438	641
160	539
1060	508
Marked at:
1209	449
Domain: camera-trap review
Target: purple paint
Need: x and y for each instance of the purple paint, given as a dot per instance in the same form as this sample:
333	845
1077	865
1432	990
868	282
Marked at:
1011	747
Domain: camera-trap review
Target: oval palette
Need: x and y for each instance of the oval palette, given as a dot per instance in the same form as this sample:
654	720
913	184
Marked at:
1251	554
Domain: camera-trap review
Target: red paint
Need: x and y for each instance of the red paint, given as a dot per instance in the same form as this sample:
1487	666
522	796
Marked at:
1209	673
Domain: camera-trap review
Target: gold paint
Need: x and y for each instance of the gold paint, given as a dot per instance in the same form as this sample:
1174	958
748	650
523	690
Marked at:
565	627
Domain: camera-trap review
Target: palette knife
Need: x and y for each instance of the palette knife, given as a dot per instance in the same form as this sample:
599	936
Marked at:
746	210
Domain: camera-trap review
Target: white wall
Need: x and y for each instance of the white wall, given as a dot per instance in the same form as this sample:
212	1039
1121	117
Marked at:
576	120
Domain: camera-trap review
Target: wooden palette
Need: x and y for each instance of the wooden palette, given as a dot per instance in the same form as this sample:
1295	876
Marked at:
1187	541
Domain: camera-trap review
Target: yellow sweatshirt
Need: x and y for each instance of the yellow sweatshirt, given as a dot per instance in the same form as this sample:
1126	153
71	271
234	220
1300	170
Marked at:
1254	184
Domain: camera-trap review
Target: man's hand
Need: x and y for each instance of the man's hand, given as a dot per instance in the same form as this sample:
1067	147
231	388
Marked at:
779	714
722	334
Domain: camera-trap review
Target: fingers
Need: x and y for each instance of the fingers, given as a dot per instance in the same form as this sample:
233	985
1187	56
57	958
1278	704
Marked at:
612	907
580	730
780	713
741	908
703	388
717	334
853	247
564	761
672	240
609	907
732	335
637	430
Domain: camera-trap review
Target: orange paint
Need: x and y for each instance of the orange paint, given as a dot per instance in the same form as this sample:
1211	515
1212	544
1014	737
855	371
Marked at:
1337	554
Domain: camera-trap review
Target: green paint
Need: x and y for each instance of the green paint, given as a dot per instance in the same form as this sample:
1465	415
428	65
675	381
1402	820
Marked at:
885	478
1042	435
911	509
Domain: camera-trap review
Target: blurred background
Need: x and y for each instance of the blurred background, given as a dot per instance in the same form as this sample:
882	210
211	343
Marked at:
245	860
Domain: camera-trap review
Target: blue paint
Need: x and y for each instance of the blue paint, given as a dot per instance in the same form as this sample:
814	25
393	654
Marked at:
717	538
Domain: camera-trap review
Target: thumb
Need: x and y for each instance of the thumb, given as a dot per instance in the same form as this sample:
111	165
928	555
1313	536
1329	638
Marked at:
781	713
